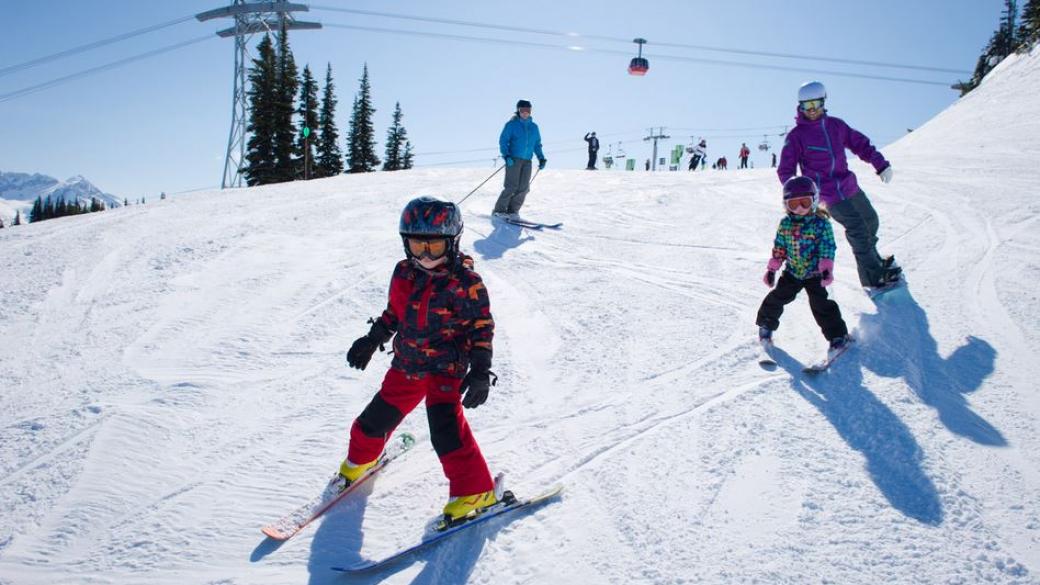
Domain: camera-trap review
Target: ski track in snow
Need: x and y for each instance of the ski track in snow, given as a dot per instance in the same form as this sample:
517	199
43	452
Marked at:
175	378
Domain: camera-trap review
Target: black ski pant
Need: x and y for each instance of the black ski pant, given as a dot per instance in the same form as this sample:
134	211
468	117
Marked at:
743	162
592	159
517	184
861	224
824	310
694	162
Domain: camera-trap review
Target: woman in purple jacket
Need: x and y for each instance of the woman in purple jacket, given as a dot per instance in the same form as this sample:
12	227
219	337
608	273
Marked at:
817	144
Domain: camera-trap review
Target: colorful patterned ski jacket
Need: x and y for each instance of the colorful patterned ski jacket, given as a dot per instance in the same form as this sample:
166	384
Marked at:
803	241
439	316
819	147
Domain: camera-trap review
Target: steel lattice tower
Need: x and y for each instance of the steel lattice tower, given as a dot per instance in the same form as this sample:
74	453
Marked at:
250	18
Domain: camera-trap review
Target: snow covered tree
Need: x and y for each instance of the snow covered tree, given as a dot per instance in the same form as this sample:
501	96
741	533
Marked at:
1029	27
361	140
396	137
1000	45
408	158
308	113
330	157
259	168
284	108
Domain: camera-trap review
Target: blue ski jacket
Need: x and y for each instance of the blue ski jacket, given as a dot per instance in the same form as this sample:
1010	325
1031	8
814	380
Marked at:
520	139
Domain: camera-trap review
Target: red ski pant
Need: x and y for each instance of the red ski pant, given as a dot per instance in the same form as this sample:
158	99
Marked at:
452	439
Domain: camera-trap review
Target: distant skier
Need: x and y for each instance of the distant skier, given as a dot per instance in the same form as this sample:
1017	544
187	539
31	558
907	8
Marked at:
593	150
519	141
441	314
774	160
804	245
699	154
745	152
817	144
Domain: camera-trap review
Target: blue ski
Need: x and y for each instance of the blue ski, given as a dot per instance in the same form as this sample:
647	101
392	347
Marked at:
496	511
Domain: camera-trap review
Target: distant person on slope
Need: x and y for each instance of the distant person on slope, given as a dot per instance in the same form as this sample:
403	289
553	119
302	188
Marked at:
804	245
700	153
439	317
519	141
817	144
745	152
593	150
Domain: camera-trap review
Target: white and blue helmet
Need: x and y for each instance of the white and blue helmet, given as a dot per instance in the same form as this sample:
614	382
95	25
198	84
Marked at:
812	90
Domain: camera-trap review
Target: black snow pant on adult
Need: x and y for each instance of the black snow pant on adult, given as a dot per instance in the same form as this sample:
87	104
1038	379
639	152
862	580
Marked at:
861	223
743	162
696	160
517	184
592	159
824	310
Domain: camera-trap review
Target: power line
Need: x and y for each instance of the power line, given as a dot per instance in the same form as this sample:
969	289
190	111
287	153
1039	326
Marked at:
574	35
720	62
48	84
94	45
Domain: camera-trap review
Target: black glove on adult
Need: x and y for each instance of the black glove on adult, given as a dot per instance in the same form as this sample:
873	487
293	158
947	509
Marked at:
478	381
361	351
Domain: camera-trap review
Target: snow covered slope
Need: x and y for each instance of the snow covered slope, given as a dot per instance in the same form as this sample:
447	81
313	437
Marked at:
163	400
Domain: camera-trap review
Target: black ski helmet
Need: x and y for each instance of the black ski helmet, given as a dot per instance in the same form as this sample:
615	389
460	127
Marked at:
801	186
522	104
429	217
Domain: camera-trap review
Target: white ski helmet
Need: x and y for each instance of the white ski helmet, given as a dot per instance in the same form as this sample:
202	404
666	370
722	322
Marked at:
812	90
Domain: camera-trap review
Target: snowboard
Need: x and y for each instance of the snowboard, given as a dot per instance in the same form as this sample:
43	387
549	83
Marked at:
509	505
292	523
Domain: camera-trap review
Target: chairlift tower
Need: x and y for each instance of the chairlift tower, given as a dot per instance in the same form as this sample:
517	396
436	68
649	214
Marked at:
655	137
250	18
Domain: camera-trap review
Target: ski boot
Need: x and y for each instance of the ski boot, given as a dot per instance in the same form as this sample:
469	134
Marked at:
461	509
765	335
839	343
351	472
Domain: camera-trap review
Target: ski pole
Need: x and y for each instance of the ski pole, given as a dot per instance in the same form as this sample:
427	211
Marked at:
531	182
459	203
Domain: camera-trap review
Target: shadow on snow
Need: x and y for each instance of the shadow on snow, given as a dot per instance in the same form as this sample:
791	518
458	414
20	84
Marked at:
503	237
901	345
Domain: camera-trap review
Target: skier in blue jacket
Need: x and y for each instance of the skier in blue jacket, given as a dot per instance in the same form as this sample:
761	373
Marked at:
519	141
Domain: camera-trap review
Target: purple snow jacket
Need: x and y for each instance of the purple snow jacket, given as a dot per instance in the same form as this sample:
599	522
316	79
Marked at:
819	147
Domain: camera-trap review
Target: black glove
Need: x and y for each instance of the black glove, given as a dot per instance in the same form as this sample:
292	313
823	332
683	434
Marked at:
541	163
361	351
478	381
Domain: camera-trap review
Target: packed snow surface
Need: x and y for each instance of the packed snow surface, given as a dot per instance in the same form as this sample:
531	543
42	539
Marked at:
173	378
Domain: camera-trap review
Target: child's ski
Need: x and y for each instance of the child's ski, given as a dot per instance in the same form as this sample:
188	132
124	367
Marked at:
292	523
876	291
765	359
508	505
832	355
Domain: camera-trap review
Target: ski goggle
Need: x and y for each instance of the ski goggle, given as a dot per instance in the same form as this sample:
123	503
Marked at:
801	202
431	248
811	105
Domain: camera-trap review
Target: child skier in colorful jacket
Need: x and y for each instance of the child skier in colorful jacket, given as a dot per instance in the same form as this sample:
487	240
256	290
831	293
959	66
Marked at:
804	246
439	317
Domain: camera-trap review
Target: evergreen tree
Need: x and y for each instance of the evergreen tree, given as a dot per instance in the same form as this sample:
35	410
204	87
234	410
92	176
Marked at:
259	169
395	139
37	211
308	113
1000	45
1029	27
408	159
330	157
361	140
285	94
18	217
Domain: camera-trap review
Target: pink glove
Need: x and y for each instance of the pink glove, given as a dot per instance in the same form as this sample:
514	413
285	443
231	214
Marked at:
826	272
769	279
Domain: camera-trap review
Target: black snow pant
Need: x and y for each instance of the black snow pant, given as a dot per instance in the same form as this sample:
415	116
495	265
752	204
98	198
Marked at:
696	160
743	162
861	223
517	184
592	159
824	310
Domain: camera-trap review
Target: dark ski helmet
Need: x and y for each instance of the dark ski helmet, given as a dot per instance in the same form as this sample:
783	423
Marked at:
802	187
427	217
523	104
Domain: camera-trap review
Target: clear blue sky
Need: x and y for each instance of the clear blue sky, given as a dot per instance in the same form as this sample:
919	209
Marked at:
161	124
